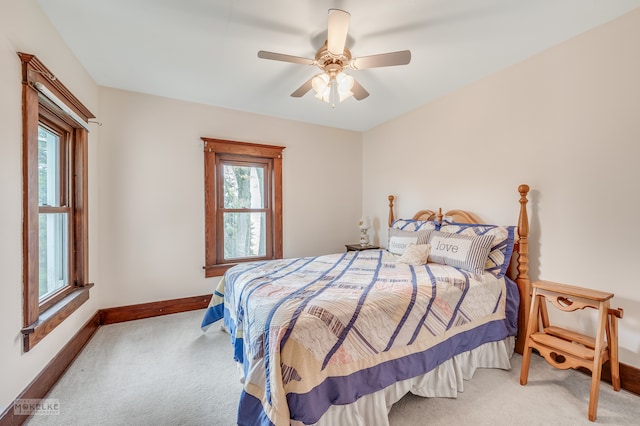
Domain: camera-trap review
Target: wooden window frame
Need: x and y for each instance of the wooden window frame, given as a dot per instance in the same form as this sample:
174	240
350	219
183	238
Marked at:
40	317
218	151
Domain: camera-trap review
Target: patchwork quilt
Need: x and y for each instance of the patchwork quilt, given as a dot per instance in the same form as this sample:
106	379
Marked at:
316	331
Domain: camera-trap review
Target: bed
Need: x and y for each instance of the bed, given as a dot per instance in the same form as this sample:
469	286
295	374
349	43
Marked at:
339	338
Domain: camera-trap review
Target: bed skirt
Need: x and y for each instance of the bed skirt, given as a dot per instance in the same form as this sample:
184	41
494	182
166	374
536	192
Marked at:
446	380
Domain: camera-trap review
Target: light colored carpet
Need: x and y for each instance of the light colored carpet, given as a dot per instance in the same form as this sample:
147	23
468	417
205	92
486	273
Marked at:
165	371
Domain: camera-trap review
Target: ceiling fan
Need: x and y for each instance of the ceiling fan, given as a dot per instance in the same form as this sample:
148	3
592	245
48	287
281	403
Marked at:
332	58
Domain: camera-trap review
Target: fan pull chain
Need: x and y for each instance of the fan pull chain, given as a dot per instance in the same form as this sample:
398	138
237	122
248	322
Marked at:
334	92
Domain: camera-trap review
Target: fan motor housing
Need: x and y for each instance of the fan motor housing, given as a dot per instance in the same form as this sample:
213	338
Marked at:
330	62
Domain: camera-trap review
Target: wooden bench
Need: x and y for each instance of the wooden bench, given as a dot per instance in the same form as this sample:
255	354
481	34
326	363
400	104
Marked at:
564	348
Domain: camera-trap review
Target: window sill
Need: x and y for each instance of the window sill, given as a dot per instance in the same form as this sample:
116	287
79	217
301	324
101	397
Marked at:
217	270
54	316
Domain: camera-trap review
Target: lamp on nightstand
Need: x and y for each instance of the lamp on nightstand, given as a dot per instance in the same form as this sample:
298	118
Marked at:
364	229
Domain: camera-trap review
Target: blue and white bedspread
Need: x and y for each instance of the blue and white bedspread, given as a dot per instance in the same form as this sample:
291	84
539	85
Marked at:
312	332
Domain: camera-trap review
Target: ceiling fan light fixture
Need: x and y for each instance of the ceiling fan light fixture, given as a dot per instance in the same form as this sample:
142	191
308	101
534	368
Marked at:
332	58
329	88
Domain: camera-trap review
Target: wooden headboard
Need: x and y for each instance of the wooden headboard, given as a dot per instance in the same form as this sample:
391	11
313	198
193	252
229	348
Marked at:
519	270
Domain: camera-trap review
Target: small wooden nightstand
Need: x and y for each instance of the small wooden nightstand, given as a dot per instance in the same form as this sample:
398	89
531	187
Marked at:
565	349
358	247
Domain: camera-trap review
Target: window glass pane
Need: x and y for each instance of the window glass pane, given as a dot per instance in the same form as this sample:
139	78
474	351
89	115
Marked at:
54	252
244	235
48	168
243	187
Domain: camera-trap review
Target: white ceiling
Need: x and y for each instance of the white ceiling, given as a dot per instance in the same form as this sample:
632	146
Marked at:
205	51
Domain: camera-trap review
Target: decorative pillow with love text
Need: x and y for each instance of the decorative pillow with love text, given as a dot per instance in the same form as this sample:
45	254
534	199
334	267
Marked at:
460	251
501	247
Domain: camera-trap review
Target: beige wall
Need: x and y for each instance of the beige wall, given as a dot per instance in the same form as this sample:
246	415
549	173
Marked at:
152	190
37	37
566	122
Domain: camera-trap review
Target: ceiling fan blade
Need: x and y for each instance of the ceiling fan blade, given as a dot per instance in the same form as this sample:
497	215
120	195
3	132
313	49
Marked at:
302	90
402	57
337	30
359	92
285	58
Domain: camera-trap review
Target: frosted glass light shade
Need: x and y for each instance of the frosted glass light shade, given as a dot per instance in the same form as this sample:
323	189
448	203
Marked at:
320	82
345	84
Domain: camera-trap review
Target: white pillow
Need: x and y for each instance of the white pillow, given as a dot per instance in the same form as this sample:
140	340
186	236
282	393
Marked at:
399	240
415	254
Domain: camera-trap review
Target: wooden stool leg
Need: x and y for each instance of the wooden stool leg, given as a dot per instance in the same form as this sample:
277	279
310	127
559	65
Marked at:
544	314
531	327
613	352
593	396
596	371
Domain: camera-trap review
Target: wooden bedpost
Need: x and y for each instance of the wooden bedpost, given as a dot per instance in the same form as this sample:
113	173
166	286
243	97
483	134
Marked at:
391	198
522	279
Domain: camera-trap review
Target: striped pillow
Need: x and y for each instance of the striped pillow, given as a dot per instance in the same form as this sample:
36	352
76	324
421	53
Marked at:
414	225
399	240
501	247
460	251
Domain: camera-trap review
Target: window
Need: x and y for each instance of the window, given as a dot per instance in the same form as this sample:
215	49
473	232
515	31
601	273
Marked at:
54	210
243	203
55	238
244	215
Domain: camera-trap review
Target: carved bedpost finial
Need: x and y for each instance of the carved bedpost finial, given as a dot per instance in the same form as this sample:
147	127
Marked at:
523	221
391	198
523	235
